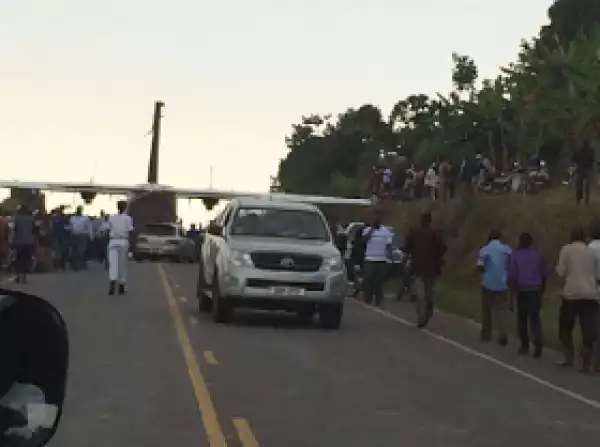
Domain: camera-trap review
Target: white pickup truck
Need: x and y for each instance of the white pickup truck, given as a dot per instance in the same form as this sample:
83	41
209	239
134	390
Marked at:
273	255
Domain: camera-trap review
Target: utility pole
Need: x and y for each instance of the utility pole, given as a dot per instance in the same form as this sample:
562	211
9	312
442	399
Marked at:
153	164
210	177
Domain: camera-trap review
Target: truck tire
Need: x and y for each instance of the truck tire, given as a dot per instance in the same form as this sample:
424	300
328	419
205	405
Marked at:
221	307
204	301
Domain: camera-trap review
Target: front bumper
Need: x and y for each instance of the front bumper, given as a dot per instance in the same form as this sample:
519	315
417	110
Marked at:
248	285
166	250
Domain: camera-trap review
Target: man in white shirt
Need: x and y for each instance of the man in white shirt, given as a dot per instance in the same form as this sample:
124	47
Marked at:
595	245
81	230
578	267
378	247
120	231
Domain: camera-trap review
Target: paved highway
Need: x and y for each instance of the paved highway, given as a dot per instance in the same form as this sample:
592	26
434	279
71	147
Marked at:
148	370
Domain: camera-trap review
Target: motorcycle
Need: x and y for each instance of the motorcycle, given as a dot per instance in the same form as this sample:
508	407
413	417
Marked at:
34	354
499	184
535	181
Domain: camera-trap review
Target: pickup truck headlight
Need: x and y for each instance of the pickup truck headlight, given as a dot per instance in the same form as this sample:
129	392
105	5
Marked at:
333	264
240	259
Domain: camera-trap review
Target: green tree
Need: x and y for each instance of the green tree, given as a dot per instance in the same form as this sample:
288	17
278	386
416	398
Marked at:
542	103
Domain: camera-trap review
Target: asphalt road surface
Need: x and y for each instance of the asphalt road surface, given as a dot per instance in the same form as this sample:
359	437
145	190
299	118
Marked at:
148	370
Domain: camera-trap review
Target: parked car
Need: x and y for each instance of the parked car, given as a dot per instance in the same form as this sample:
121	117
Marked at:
164	241
272	255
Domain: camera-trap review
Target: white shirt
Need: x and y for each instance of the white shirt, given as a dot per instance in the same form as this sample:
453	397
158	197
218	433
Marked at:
81	225
431	177
120	225
387	175
376	249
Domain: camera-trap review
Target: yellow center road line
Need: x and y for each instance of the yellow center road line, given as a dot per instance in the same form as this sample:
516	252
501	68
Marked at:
247	438
210	358
214	432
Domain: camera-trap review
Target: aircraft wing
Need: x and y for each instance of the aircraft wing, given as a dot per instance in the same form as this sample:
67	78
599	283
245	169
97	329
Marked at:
184	193
231	194
73	187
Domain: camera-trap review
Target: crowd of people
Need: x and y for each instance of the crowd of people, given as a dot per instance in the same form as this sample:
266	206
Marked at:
43	242
517	279
512	280
36	241
395	178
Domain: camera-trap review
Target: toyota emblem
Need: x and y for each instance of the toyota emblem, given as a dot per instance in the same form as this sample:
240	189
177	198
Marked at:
287	263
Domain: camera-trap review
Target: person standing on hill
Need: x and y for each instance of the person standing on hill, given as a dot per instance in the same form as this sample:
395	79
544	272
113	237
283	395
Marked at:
426	249
527	279
584	159
580	270
445	179
595	245
493	263
469	168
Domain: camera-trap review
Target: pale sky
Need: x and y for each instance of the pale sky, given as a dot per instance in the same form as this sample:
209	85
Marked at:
78	78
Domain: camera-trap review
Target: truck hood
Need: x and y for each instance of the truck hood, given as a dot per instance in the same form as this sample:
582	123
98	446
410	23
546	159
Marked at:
286	245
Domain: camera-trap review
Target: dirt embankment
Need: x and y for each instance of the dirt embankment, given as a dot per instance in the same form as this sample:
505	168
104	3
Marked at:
548	216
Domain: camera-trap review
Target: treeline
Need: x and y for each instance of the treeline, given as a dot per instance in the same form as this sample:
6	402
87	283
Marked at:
544	103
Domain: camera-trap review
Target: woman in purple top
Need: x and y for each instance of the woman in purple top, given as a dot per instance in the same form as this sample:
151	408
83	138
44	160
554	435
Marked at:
527	279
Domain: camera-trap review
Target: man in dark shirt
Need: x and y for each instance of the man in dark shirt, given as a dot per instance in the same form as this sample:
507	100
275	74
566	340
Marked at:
527	280
584	159
61	237
426	249
194	235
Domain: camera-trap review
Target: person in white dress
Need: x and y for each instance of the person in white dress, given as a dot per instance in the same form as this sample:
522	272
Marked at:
120	231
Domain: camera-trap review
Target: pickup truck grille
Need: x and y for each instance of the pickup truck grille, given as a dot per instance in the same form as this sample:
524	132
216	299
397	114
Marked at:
266	283
290	262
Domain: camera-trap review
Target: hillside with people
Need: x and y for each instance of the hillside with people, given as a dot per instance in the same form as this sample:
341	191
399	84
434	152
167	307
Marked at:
490	154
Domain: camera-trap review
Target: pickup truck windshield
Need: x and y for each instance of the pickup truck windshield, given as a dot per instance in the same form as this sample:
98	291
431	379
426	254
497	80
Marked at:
277	222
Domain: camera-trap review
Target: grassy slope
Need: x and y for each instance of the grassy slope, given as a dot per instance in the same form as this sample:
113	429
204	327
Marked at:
549	216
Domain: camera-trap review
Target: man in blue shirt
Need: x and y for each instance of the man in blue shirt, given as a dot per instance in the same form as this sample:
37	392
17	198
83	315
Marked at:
377	240
493	261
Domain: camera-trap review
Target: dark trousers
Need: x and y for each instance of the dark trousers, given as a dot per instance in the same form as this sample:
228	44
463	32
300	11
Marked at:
373	279
79	247
61	251
586	313
422	289
494	312
582	187
529	325
23	254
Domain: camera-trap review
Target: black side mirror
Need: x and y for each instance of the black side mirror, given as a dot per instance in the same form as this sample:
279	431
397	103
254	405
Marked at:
34	354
